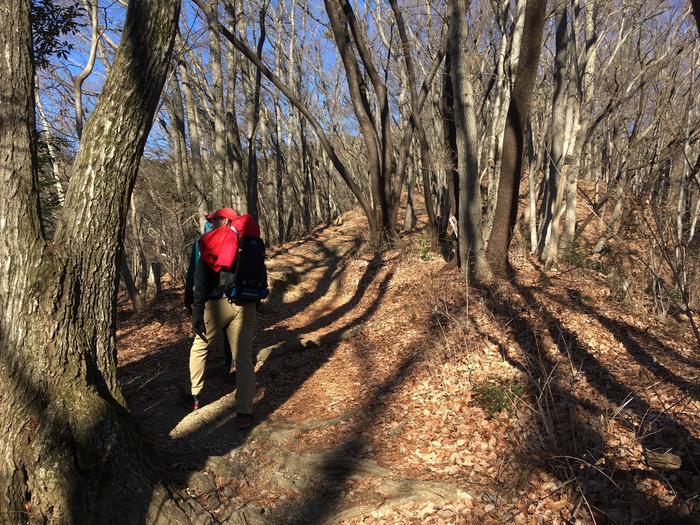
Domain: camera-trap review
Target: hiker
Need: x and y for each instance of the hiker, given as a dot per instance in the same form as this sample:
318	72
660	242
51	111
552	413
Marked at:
225	297
189	296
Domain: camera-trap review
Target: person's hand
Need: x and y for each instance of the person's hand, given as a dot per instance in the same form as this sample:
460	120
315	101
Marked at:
199	328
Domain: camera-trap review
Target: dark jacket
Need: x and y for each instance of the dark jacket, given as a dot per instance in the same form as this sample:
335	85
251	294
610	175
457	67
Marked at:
192	266
206	286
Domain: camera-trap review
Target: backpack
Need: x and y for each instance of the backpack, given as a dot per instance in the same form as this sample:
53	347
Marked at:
218	248
246	282
237	253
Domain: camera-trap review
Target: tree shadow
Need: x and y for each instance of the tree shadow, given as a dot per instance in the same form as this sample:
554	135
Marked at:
344	461
567	438
153	383
636	342
329	259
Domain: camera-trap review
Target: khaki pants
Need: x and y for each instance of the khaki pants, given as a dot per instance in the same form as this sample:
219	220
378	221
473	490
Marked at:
239	323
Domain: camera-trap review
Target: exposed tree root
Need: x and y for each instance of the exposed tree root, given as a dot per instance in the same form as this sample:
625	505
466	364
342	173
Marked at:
304	343
299	473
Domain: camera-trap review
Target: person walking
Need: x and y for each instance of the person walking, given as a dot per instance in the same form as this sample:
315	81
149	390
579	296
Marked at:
189	297
213	311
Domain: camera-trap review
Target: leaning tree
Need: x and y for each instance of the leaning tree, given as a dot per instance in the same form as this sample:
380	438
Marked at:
70	453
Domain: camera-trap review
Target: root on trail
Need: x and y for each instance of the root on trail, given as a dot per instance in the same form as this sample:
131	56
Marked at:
306	473
305	343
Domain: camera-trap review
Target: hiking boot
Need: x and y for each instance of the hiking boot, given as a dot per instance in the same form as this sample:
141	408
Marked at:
244	421
193	402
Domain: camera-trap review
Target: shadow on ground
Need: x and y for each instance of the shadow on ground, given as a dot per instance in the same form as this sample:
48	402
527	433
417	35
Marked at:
570	443
154	384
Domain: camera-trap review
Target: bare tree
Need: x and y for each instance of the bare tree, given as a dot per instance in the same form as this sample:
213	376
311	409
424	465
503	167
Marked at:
513	143
71	453
80	78
254	99
470	224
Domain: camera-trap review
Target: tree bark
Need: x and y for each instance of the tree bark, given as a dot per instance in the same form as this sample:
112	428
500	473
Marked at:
71	453
557	181
513	141
427	168
471	247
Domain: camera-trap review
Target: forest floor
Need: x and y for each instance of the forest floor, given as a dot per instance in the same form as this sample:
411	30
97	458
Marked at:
398	393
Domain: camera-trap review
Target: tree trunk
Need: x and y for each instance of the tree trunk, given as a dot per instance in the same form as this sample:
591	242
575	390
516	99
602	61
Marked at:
427	166
71	453
279	176
388	184
505	68
234	149
220	186
141	266
557	181
513	141
308	183
471	247
450	138
280	166
616	213
252	181
587	68
338	17
176	134
53	158
198	176
534	163
138	301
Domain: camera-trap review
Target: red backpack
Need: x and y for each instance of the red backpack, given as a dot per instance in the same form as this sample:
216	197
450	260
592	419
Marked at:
219	247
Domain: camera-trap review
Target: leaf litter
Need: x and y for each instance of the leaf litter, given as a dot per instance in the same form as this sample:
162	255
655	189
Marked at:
393	425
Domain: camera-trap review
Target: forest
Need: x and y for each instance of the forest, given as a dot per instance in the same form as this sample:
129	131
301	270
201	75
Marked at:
481	224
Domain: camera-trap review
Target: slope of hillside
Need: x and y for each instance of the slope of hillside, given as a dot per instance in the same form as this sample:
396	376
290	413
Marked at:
395	392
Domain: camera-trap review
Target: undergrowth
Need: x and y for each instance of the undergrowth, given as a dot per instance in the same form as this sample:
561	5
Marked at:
495	397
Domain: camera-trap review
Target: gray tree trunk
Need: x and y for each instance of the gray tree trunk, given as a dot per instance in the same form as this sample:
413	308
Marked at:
220	188
471	247
556	187
198	175
427	166
138	301
254	120
70	452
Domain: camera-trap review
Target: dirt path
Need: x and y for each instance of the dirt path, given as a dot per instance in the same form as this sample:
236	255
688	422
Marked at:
373	402
318	403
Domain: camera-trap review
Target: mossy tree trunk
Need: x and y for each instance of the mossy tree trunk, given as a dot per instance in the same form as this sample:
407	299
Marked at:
70	453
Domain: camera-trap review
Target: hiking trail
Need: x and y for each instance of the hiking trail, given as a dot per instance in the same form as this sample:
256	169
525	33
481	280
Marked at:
373	395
